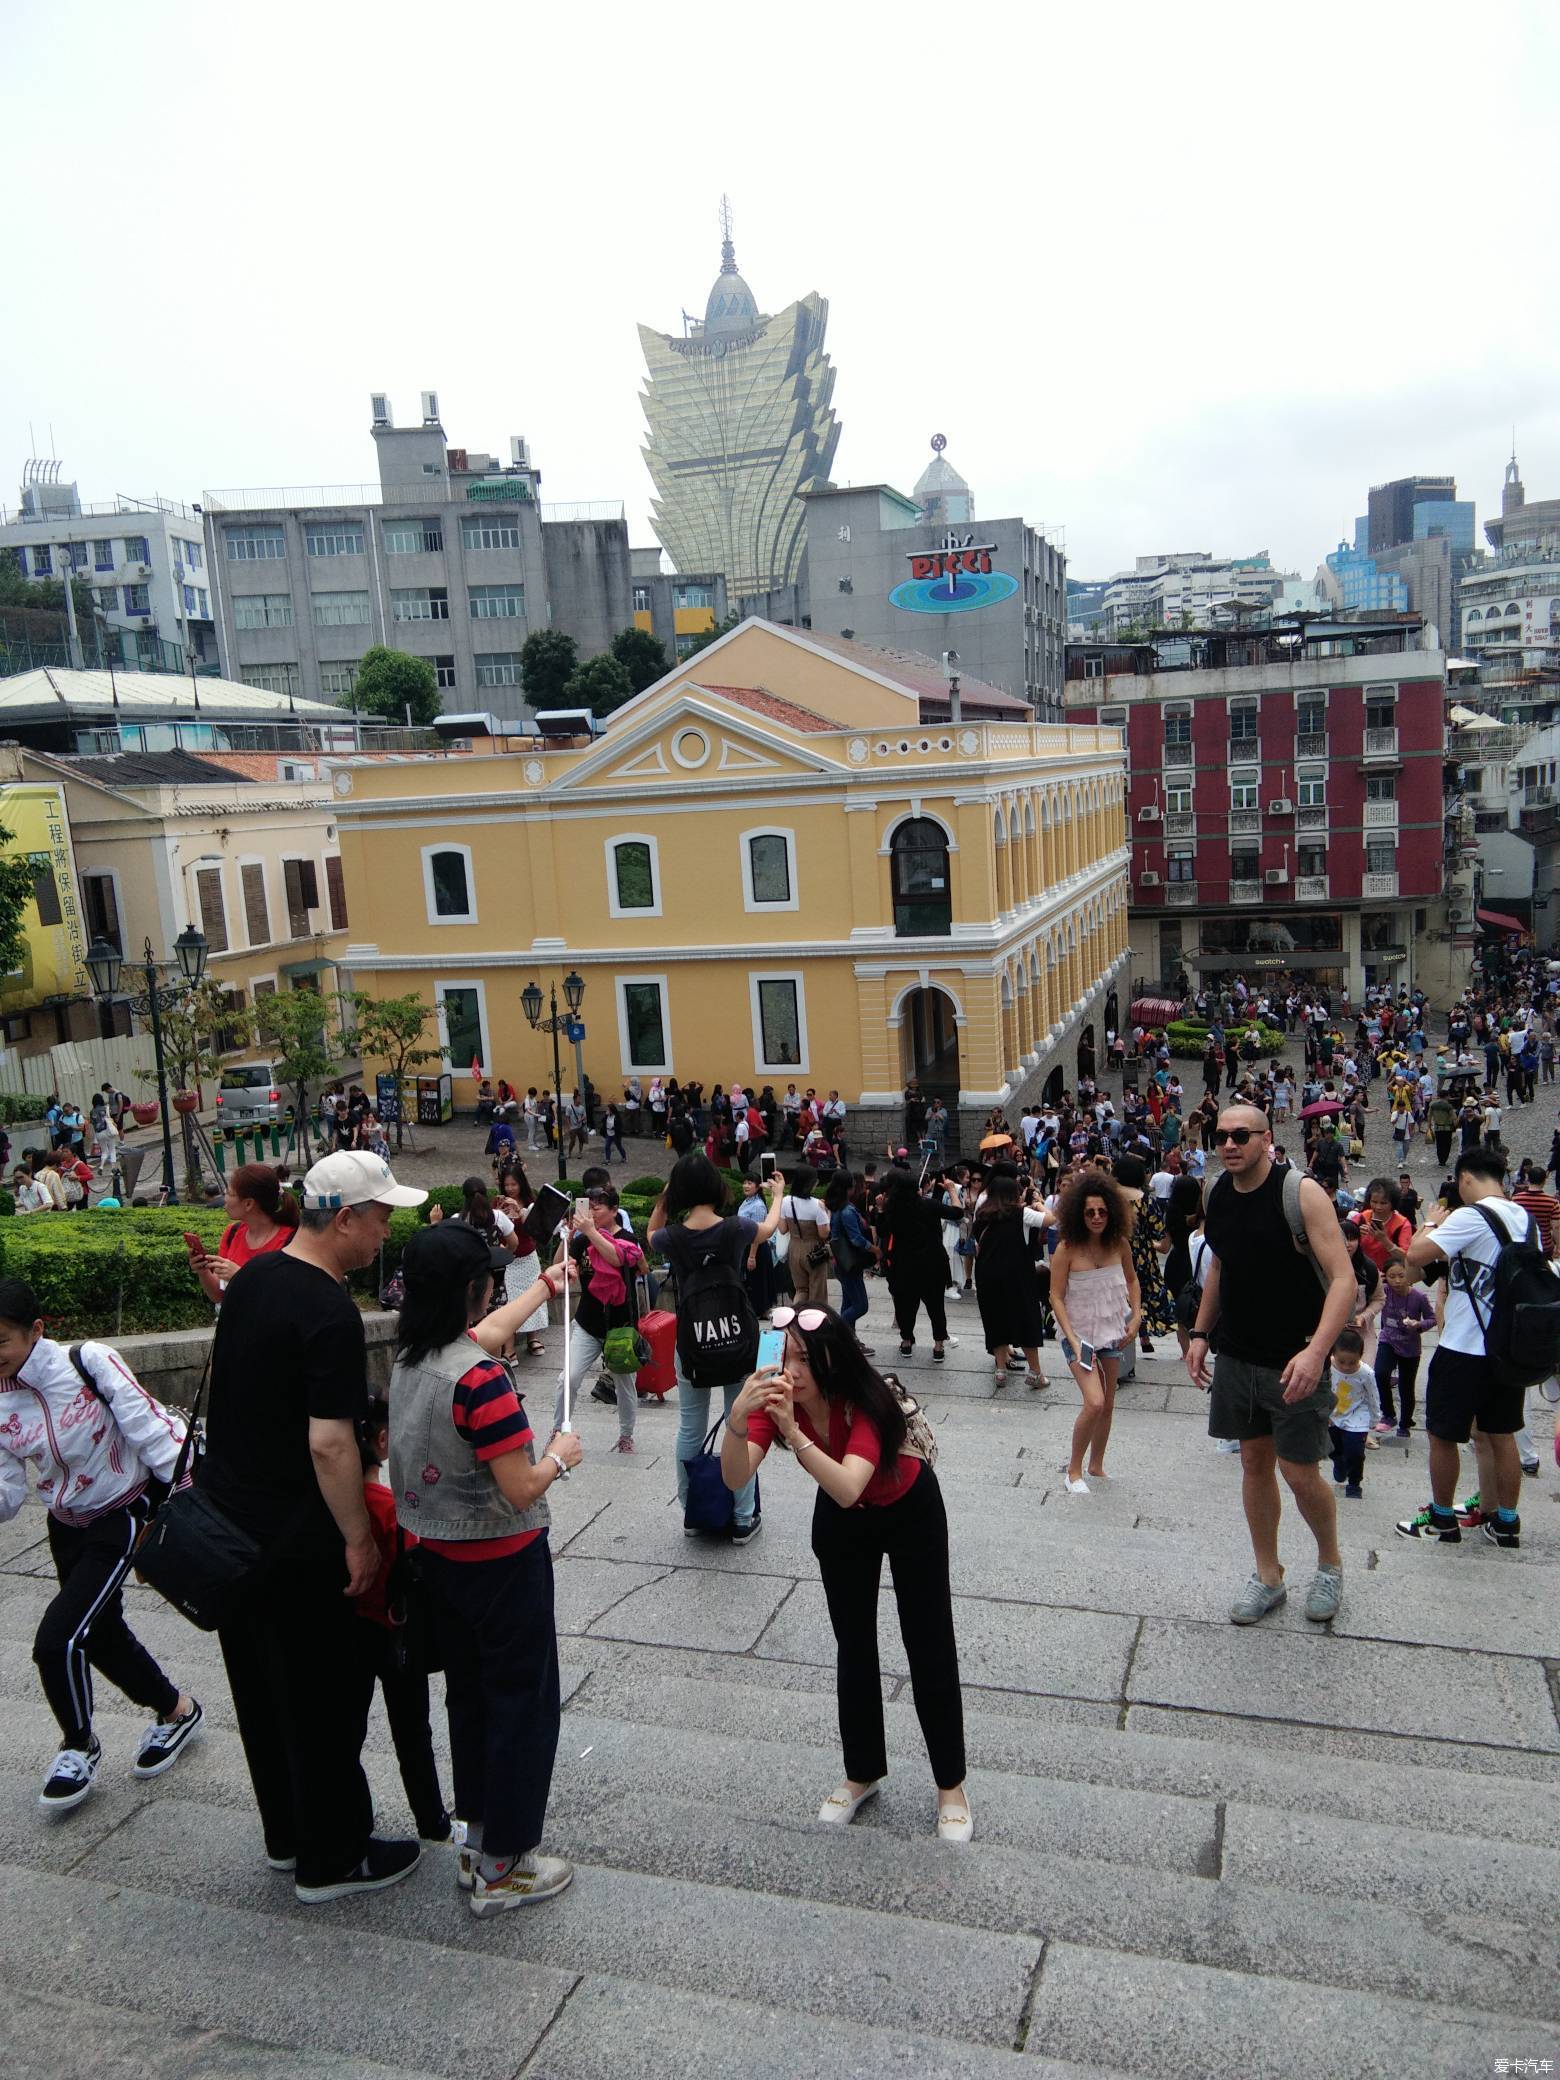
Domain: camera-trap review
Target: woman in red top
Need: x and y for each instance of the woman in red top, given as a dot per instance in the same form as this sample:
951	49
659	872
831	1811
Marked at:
1382	1227
261	1218
844	1425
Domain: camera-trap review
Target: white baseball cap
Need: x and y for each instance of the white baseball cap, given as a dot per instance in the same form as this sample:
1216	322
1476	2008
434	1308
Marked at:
355	1178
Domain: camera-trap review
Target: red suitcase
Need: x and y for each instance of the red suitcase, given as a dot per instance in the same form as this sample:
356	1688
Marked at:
659	1377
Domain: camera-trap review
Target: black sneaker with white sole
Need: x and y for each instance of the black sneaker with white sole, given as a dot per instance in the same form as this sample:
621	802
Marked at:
1500	1534
165	1740
70	1777
744	1534
386	1863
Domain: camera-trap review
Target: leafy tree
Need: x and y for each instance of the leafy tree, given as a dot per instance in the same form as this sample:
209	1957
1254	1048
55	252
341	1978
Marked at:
703	642
642	656
17	890
601	686
44	595
388	1030
292	1024
391	681
548	659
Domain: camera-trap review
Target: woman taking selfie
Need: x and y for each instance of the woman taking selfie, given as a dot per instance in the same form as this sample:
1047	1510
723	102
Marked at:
470	1487
1095	1298
844	1426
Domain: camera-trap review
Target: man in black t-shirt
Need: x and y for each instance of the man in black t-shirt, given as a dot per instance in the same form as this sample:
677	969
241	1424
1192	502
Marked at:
289	1390
1272	1381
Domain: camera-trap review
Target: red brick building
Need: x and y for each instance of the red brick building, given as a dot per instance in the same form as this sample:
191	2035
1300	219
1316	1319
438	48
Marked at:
1284	796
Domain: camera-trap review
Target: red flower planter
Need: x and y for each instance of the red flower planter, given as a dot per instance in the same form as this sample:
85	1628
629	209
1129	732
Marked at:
143	1112
185	1101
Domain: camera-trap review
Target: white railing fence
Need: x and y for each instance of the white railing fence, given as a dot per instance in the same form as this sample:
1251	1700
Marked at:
77	1068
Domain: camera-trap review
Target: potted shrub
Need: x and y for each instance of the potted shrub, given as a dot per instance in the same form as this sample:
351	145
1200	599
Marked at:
185	1101
143	1111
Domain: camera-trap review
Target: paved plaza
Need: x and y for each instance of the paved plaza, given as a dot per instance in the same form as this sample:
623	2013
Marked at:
1199	1850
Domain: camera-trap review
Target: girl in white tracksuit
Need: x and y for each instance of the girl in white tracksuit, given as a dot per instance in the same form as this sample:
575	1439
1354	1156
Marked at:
96	1444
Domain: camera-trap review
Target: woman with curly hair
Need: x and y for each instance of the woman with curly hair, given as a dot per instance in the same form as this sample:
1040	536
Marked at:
1097	1302
1146	1232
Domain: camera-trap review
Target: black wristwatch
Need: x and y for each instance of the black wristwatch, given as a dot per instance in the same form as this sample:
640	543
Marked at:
1199	1336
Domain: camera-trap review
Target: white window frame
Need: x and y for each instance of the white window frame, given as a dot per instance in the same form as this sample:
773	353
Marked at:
1310	791
792	975
1179	787
469	915
1250	783
769	830
336	615
614	907
619	984
471	982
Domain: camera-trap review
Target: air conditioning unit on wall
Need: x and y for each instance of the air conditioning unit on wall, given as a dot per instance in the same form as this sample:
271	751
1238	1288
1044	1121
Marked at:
1283	806
1148	880
1275	877
1149	815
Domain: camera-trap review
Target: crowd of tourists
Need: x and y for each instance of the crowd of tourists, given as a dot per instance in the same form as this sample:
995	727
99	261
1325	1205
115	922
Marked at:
340	1540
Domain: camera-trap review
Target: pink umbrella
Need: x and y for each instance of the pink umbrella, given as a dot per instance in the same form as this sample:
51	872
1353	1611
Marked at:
1322	1107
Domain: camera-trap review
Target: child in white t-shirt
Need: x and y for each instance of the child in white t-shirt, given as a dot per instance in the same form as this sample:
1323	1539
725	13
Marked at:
1356	1411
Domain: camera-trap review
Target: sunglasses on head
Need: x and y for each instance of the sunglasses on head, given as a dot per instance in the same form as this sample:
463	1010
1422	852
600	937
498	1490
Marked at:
1239	1135
809	1318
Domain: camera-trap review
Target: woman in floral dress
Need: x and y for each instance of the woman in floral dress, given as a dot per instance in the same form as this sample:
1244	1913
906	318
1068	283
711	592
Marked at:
1158	1316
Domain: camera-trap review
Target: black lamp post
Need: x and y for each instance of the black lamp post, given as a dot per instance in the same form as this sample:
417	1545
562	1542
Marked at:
105	964
531	1004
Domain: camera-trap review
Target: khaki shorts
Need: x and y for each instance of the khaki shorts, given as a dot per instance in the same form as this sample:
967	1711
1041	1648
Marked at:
1247	1401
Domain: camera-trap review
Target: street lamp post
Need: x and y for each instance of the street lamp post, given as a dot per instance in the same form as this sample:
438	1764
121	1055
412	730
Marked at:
531	1004
105	964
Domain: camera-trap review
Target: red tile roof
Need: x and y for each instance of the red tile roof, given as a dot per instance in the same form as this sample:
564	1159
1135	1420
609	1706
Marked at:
762	702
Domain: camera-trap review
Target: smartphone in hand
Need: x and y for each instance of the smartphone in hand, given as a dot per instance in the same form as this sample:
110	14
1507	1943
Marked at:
771	1349
1086	1356
195	1246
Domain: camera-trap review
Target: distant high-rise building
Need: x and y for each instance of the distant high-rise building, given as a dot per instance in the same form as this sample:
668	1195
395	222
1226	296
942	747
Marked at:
1392	508
1520	522
740	424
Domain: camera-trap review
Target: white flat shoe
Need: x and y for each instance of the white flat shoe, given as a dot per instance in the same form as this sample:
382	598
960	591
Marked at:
954	1826
841	1807
1078	1487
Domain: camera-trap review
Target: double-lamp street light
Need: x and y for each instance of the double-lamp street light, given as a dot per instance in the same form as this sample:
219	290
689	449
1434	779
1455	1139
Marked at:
531	1004
105	963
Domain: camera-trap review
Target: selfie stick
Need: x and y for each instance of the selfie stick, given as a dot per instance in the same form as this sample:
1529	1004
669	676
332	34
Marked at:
566	1424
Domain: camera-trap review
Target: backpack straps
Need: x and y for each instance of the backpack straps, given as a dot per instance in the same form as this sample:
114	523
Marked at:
91	1385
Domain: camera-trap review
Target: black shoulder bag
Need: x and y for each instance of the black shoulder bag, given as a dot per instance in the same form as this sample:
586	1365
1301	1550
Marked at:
191	1553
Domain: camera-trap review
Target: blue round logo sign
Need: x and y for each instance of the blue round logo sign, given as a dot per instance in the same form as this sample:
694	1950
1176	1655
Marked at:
956	579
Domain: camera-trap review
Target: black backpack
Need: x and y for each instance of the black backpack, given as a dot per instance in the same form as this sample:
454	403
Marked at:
717	1329
1522	1331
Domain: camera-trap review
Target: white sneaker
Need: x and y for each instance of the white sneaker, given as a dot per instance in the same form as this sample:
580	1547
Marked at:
842	1806
1073	1487
529	1880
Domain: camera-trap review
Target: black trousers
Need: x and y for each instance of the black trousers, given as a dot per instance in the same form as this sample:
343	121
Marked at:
301	1689
1389	1361
851	1545
495	1624
405	1692
84	1626
1348	1454
913	1290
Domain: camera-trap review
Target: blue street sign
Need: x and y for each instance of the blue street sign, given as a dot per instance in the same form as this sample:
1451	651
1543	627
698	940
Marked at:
575	1030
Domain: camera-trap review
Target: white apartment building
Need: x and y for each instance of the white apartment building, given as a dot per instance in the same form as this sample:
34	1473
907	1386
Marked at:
1186	588
145	559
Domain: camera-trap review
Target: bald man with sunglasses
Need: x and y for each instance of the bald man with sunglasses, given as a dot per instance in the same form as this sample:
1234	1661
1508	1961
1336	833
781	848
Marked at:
1277	1311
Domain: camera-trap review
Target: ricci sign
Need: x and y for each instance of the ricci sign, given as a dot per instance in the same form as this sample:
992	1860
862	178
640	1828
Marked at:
955	578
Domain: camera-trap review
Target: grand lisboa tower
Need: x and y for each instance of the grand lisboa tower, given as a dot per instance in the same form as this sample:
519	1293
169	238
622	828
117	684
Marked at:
739	424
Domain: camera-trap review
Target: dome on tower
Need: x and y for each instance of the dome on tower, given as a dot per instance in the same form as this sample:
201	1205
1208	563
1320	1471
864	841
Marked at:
941	492
731	309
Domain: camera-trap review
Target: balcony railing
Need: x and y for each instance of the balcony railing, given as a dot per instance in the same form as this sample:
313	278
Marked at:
1245	821
1381	816
1245	751
1180	823
1311	819
1178	754
1311	744
1379	885
1180	895
1245	891
1381	743
1310	888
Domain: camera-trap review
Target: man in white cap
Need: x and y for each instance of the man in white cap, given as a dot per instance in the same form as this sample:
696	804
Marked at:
289	1390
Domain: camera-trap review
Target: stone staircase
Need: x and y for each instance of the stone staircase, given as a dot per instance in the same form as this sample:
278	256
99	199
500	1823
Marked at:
1199	1850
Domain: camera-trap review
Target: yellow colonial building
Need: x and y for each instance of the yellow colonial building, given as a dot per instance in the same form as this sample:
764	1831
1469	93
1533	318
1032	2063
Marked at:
793	859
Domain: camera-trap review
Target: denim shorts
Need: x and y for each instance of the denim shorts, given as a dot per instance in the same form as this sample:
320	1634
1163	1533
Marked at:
1101	1350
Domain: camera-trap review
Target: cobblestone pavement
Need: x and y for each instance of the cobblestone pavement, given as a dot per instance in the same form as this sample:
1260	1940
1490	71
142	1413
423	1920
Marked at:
1196	1846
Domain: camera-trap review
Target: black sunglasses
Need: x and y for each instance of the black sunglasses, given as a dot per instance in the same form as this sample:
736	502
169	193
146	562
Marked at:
1239	1135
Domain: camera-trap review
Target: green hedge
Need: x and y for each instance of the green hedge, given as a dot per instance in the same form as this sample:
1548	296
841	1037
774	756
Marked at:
106	1274
20	1105
1188	1038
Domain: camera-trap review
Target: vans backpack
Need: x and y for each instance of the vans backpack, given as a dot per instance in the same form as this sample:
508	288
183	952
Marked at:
1522	1330
717	1329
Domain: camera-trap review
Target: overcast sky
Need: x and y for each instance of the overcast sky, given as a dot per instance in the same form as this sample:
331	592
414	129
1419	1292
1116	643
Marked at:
1167	277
